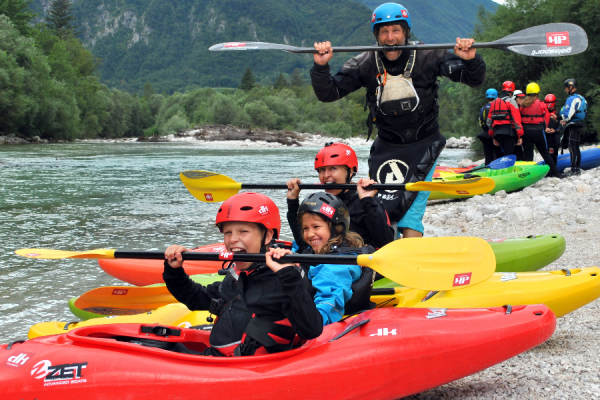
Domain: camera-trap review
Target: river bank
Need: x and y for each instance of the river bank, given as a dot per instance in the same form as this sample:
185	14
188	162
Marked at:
231	136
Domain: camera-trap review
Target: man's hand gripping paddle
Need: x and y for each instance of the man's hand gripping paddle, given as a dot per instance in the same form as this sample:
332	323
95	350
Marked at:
434	264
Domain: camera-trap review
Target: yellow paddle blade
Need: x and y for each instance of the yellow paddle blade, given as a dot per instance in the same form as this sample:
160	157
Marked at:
209	186
466	186
437	264
50	254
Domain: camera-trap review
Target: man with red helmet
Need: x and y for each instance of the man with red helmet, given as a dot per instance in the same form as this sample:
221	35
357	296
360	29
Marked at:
504	120
553	131
260	307
402	91
337	163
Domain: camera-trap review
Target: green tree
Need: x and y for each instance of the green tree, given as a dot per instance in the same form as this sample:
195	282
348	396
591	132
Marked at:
19	13
281	82
60	19
148	90
248	81
296	79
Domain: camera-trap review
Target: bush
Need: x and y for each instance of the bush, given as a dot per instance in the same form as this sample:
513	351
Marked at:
176	123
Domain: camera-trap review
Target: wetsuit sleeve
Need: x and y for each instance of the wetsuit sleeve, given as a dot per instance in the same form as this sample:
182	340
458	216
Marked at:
334	288
377	222
292	217
545	114
489	120
303	314
469	72
331	88
188	292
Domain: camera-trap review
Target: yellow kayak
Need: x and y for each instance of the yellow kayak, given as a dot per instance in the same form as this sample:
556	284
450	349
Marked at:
562	291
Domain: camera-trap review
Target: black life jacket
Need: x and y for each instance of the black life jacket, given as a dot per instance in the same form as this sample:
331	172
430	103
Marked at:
240	332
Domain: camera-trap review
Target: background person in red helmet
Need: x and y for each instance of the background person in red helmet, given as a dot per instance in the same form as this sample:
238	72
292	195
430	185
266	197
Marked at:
504	120
553	132
337	163
260	307
401	90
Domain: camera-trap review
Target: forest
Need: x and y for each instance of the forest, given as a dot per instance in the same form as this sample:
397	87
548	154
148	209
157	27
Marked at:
50	85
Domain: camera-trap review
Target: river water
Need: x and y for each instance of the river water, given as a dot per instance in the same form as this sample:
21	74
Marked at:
83	196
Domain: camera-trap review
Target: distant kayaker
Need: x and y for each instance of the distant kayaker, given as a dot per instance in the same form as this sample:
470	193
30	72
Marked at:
504	120
337	163
260	307
536	118
490	151
553	132
402	91
338	289
572	115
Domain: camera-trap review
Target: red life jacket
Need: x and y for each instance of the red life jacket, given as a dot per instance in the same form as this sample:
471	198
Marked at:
534	114
500	111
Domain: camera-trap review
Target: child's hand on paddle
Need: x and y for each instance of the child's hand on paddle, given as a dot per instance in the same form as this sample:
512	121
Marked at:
276	254
173	255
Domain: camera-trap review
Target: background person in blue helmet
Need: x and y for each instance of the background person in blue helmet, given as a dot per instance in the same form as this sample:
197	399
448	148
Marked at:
402	93
572	115
490	151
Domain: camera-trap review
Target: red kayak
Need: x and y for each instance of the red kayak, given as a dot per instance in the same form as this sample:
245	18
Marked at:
385	353
149	272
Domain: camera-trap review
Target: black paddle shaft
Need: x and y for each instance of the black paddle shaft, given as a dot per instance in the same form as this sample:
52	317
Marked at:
242	257
326	186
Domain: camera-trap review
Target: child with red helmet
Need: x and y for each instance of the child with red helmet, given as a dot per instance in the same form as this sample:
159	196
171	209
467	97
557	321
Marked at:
338	289
337	163
260	307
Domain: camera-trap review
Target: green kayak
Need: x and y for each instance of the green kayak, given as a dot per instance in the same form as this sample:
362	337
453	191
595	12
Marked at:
508	179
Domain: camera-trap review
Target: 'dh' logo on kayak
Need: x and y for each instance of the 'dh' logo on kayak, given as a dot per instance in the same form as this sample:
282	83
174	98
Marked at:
208	196
18	359
462	279
120	292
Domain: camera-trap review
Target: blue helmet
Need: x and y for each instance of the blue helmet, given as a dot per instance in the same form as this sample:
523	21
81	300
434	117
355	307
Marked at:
491	94
389	12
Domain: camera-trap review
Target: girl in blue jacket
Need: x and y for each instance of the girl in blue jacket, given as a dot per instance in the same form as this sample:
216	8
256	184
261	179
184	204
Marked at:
324	220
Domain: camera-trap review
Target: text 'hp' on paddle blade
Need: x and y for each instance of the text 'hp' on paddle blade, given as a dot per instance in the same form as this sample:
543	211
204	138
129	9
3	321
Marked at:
550	40
208	186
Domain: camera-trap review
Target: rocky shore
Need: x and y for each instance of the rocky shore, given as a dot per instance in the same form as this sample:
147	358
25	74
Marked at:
228	135
568	365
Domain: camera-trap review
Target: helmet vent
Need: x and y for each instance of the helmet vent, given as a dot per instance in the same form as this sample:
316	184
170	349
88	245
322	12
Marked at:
246	208
220	209
379	19
398	16
335	155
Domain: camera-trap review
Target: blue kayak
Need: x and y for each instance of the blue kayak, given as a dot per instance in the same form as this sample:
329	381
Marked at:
590	158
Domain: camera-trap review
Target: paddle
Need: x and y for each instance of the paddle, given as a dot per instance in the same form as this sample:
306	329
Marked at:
499	163
210	187
550	40
423	263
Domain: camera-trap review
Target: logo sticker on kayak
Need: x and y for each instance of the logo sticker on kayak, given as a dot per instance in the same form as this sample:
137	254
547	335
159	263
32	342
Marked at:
208	196
436	313
120	292
18	359
495	240
384	332
508	276
462	192
63	374
462	279
554	39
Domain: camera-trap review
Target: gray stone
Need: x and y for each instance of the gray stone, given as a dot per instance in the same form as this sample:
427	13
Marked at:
489	209
580	219
520	214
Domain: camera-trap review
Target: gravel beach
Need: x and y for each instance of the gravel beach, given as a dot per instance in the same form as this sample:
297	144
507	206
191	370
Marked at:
568	365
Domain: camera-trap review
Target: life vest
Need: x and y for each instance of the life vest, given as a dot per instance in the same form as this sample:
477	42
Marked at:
534	114
483	114
500	111
581	112
240	332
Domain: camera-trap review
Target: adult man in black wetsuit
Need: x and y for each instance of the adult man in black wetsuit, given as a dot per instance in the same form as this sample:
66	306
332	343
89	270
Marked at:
402	96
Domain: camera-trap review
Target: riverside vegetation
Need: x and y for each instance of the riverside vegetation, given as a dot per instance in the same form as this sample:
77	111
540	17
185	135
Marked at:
50	85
